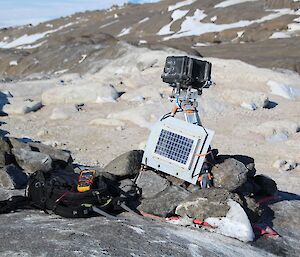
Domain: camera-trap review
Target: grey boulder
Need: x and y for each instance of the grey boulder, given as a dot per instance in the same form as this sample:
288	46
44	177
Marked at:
31	161
55	154
164	203
230	174
6	194
205	203
4	151
151	183
12	177
128	188
126	165
16	143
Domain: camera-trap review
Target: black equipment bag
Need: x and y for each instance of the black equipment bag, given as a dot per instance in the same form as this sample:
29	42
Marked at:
57	192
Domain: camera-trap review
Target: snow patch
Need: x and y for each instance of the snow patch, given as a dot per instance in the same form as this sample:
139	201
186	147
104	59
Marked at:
108	24
292	28
232	2
192	25
13	63
201	44
180	4
83	57
213	19
143	20
283	90
32	46
240	33
281	34
236	223
142	42
176	15
124	32
29	39
60	71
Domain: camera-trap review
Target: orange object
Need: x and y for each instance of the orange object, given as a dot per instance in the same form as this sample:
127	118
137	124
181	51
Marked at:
85	180
190	111
204	154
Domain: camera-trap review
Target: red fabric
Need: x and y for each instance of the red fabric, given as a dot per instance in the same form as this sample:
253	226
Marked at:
262	230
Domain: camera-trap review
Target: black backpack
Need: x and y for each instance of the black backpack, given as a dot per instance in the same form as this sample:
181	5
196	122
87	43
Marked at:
56	191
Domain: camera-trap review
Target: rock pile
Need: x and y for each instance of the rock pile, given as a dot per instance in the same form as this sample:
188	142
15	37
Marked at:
230	205
19	159
233	196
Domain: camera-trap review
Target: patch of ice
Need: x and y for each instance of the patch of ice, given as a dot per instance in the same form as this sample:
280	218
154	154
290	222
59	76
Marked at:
294	27
108	24
249	106
240	33
176	15
142	42
32	46
281	34
60	71
213	19
143	20
29	39
232	2
192	25
23	40
124	32
201	44
236	223
83	57
278	137
13	63
180	4
283	90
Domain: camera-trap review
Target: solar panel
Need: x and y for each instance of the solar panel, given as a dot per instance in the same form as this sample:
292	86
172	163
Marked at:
174	146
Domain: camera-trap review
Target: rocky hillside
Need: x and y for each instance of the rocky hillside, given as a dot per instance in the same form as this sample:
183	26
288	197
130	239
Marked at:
264	33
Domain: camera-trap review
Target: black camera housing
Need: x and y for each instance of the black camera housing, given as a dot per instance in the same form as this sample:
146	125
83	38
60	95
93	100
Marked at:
186	71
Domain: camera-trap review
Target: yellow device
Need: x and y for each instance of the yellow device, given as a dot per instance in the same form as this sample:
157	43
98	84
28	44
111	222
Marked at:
85	180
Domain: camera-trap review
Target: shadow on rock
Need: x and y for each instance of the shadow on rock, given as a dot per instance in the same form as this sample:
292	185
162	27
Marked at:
280	212
3	101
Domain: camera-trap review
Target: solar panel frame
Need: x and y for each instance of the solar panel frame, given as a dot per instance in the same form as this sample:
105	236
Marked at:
189	171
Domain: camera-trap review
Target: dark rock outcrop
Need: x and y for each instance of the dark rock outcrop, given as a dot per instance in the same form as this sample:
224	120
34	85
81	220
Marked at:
32	161
164	203
125	165
205	203
151	183
230	174
12	177
55	154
